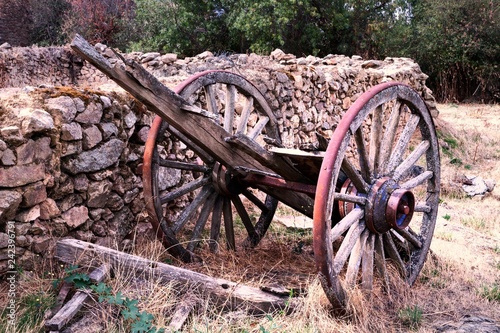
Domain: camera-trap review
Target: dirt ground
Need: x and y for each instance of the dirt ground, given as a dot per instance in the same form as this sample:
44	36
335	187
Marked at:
468	229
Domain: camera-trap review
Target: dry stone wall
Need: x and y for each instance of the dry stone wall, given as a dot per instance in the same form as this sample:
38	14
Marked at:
71	141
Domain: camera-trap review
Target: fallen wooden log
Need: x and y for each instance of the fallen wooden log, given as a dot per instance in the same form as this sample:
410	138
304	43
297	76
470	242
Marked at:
224	292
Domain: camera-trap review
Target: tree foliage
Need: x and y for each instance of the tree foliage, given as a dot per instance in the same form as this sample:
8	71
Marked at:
454	41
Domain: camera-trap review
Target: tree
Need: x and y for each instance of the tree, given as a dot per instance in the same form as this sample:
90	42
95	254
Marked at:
182	26
99	21
456	43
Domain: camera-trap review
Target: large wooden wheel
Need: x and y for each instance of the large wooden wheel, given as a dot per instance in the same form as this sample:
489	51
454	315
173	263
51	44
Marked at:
190	194
387	147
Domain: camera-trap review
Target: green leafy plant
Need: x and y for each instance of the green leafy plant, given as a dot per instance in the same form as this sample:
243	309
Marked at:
140	322
447	217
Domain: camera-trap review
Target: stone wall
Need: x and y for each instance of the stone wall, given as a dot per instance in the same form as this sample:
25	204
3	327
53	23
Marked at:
71	141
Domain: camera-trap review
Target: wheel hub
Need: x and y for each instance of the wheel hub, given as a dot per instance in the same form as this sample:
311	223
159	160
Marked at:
224	182
387	206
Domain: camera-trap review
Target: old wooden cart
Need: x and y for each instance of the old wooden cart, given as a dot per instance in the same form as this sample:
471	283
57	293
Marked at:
372	193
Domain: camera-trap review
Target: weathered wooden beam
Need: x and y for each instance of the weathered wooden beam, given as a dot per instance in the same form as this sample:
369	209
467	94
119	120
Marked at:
182	311
224	292
70	309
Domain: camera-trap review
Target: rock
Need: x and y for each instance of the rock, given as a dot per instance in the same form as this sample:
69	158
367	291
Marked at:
108	130
4	240
168	177
42	149
91	115
40	244
69	148
12	135
475	186
98	194
106	102
5	46
37	228
468	324
20	175
149	56
76	216
26	152
36	121
71	131
49	209
168	58
114	202
81	183
130	120
490	184
28	215
91	137
96	159
142	135
205	55
34	194
8	158
65	105
70	201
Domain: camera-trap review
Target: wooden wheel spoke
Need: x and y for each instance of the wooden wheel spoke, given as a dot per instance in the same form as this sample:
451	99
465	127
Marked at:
392	251
245	114
405	167
192	207
202	220
367	263
187	188
355	259
245	218
230	109
257	130
164	162
228	223
347	245
422	207
256	201
389	135
216	223
354	216
375	140
418	180
350	198
210	97
404	139
380	263
364	162
354	176
410	236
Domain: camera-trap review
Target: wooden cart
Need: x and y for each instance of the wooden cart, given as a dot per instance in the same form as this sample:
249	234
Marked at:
214	158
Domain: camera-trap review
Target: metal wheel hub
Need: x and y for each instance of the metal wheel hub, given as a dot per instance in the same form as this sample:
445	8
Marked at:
388	206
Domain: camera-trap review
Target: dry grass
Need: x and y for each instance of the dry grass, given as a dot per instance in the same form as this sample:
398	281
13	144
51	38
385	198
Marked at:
465	262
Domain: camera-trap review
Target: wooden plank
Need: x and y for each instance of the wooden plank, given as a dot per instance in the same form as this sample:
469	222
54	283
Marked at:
68	311
182	312
223	292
